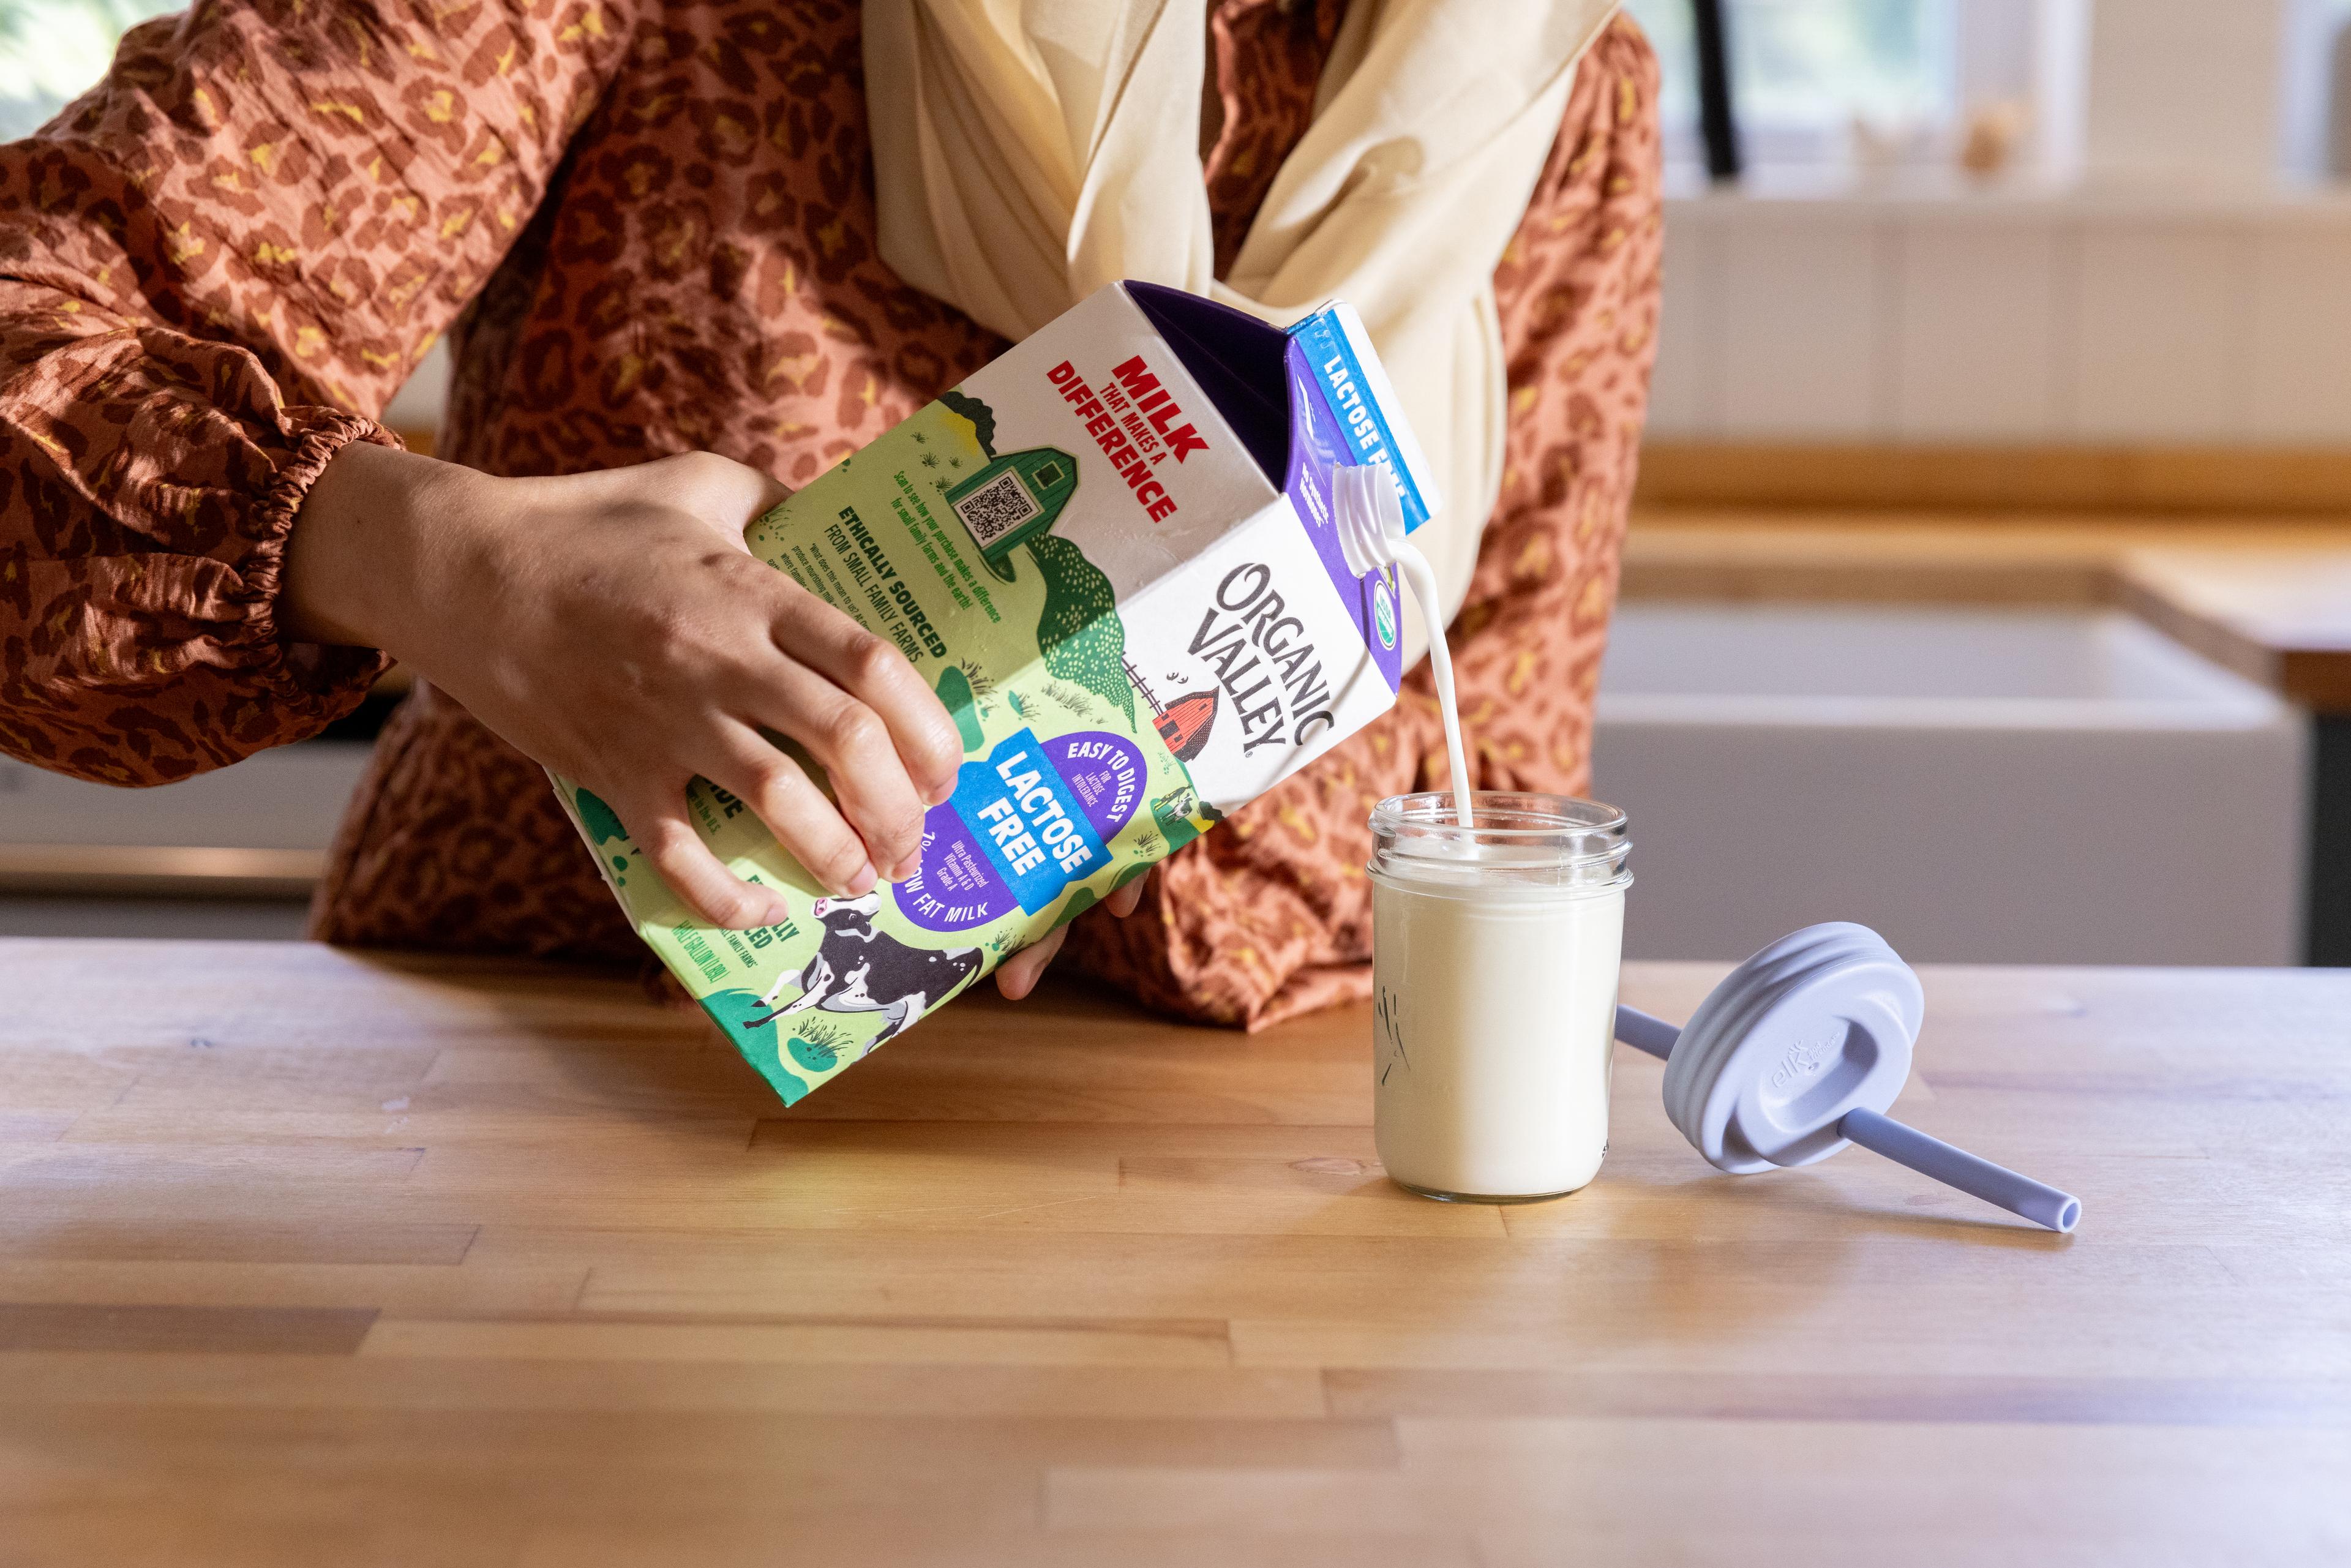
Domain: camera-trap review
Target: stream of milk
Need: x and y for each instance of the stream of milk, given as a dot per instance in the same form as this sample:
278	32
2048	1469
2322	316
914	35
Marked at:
1418	576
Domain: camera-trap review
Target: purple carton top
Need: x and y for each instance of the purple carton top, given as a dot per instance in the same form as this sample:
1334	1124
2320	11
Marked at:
1304	401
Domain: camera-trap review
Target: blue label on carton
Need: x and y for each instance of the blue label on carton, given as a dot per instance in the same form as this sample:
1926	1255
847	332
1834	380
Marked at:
1024	822
1347	387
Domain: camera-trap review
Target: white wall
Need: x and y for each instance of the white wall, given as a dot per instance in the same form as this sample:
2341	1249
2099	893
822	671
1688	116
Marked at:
2157	284
2184	90
2007	317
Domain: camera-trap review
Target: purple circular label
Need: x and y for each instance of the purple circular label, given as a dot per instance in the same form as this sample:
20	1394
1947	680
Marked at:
1106	773
958	887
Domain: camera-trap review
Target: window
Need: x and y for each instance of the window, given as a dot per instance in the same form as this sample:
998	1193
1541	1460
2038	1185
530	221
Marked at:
1804	72
53	51
1822	62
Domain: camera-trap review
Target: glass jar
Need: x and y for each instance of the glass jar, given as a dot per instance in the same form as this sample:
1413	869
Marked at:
1496	949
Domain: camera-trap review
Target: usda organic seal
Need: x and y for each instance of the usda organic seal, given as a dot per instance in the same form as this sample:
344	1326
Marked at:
1384	613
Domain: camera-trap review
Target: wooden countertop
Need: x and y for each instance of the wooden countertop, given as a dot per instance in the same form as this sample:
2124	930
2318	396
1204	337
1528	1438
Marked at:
2269	599
310	1258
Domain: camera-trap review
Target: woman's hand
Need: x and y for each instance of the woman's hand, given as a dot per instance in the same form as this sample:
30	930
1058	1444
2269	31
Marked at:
1017	976
614	627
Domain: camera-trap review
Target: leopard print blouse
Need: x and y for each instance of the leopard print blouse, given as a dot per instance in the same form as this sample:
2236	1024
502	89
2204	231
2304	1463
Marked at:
648	228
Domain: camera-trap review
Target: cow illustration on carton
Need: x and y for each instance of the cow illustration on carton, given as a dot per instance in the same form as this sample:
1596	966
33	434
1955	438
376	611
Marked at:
858	970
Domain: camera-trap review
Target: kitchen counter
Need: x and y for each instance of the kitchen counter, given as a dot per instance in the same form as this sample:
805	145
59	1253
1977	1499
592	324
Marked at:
2269	599
309	1257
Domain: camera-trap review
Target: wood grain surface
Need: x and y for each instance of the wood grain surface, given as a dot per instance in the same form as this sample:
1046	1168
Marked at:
313	1258
2279	616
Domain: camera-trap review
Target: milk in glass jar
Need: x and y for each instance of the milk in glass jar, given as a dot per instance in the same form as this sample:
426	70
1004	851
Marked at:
1495	963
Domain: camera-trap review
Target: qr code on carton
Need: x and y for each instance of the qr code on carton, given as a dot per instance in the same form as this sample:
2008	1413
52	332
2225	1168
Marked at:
995	508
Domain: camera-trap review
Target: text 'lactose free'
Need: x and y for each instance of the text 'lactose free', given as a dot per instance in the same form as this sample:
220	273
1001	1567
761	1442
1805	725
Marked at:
1029	824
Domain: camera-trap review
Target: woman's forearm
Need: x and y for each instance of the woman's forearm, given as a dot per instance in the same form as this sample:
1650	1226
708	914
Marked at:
378	527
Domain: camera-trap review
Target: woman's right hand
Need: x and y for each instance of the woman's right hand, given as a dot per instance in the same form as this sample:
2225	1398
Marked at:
614	627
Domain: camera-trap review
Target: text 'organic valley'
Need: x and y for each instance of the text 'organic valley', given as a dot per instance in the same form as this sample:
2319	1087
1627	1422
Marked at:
1262	658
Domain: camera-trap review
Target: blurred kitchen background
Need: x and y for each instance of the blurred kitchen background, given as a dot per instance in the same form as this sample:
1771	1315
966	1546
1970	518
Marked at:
1991	580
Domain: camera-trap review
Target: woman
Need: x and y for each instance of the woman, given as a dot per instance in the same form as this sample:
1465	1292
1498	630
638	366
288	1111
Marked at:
651	232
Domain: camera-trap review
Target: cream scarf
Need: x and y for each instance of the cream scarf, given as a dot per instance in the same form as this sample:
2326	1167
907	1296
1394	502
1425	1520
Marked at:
1029	151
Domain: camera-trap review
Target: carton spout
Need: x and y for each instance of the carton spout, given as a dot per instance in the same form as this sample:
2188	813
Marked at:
1368	512
1369	515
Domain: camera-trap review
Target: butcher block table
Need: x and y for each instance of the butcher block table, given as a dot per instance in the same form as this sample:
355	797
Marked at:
312	1257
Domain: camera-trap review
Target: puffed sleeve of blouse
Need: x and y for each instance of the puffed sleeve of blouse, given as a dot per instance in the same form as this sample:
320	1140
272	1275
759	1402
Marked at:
216	268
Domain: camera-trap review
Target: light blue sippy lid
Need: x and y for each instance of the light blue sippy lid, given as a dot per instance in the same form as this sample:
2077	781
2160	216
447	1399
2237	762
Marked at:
1799	1050
1815	1025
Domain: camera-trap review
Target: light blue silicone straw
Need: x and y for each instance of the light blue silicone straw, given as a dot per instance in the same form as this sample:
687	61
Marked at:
1644	1032
1930	1156
1904	1145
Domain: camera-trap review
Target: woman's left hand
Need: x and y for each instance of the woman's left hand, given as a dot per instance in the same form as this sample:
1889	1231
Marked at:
1016	977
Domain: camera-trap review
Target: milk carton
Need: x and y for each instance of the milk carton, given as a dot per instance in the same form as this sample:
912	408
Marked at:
1112	553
